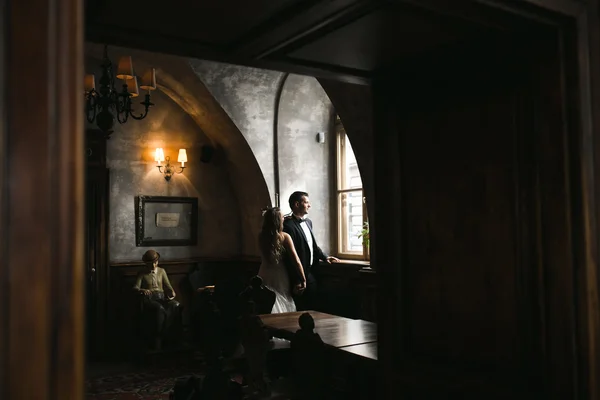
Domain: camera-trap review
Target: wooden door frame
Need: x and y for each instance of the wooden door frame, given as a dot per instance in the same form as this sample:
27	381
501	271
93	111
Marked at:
41	336
577	25
41	201
101	275
4	268
96	144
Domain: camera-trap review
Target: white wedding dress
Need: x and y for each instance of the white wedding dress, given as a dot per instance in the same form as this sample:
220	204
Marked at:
275	277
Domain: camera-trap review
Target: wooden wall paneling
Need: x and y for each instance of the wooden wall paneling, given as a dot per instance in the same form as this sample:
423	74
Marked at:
123	301
42	193
588	280
468	316
527	233
576	102
460	292
4	267
338	293
556	230
366	286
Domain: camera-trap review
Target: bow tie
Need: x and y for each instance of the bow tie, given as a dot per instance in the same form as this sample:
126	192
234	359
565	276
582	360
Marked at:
297	218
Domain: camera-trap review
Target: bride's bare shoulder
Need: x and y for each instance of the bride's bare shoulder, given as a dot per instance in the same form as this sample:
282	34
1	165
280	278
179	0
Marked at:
285	237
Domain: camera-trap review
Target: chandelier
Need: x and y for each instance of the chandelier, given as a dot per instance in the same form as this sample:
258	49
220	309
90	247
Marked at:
101	104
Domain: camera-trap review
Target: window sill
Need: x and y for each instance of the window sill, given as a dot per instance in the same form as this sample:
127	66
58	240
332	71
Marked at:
350	261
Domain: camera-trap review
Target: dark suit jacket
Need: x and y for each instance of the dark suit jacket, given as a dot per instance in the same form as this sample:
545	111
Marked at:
291	225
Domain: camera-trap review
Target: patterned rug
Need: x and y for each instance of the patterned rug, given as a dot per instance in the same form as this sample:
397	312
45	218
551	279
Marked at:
155	384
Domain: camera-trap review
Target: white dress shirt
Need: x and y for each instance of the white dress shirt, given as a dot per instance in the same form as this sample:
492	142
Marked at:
309	240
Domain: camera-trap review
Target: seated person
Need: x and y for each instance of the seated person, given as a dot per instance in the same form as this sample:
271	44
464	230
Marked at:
157	305
310	369
262	297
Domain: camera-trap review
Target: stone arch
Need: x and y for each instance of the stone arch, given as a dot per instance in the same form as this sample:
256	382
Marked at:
176	79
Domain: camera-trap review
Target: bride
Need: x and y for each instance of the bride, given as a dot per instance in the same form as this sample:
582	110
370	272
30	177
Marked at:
275	245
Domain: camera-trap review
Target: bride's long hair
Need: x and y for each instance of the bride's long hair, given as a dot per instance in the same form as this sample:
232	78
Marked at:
270	238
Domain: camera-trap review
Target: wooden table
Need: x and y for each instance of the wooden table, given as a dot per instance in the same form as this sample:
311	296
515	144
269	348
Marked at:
365	350
335	331
353	343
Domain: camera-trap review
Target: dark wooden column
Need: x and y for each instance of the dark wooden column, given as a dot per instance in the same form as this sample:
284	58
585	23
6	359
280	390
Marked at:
386	237
479	233
588	278
41	201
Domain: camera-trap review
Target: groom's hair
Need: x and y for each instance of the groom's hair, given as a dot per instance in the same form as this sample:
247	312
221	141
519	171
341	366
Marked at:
296	196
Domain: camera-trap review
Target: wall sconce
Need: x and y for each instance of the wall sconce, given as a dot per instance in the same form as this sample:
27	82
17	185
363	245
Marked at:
168	170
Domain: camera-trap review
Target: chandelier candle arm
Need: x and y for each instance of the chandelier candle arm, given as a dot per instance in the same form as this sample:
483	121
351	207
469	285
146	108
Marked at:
147	104
90	107
123	105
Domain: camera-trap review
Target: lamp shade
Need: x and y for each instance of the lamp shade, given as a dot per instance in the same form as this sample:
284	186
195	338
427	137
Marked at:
125	68
132	87
89	83
159	155
149	80
182	158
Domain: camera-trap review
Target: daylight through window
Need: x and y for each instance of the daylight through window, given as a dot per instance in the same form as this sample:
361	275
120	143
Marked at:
352	214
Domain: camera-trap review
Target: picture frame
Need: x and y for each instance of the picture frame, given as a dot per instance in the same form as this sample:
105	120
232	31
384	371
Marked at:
166	221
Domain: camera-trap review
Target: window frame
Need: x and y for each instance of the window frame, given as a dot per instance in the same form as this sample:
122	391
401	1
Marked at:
340	170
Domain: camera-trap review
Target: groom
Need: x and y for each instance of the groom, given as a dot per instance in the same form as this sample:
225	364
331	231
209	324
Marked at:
300	229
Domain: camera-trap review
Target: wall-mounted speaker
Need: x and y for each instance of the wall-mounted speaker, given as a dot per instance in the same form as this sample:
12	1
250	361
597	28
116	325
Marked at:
321	137
207	153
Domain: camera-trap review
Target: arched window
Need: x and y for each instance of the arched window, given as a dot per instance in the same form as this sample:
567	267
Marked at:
352	213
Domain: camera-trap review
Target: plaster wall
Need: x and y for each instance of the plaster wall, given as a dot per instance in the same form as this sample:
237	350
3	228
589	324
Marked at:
248	95
133	172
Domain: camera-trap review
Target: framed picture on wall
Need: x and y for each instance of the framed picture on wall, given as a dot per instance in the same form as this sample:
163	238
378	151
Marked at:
166	221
